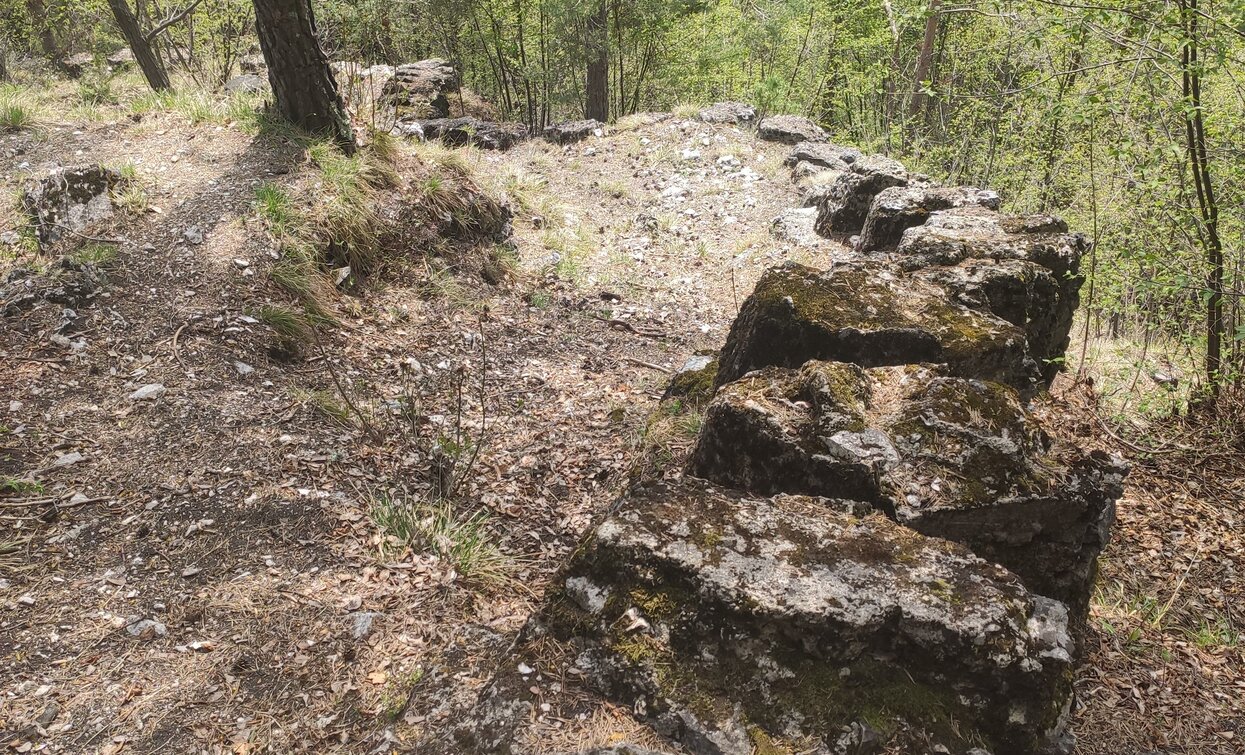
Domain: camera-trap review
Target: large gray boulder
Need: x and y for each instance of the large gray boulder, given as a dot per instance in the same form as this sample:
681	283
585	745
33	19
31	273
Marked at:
896	209
728	112
726	619
790	129
69	200
459	132
421	89
847	203
570	132
948	457
822	155
868	314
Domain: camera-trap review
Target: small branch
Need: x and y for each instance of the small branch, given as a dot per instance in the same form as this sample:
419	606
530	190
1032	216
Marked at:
649	365
166	23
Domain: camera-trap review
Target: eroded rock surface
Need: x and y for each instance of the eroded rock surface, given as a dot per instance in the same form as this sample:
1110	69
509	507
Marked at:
847	202
790	129
866	314
718	617
69	200
897	209
421	89
458	132
949	457
573	131
729	112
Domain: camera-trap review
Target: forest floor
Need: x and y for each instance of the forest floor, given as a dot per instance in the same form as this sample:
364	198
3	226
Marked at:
211	571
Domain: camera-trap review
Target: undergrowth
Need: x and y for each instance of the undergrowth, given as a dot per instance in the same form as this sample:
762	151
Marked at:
463	540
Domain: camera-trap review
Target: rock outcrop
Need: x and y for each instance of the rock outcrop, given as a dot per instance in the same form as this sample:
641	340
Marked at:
69	200
458	132
876	547
720	616
790	129
897	209
869	314
728	112
847	202
421	89
570	132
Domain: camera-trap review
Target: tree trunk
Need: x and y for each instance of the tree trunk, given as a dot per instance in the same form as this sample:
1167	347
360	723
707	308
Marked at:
302	83
597	82
39	20
925	58
148	61
1199	162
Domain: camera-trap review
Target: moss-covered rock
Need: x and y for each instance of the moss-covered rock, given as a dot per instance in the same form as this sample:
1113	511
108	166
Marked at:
694	380
846	204
797	618
796	431
898	208
867	314
975	469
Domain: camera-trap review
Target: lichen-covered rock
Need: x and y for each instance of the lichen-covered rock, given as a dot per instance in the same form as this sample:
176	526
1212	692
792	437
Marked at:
459	132
975	469
69	200
864	313
795	226
949	457
779	430
693	381
847	203
822	155
897	209
247	83
790	129
721	617
729	112
573	131
951	236
421	89
1022	293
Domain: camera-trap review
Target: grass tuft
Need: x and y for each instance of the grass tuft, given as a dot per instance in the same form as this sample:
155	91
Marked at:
290	324
464	541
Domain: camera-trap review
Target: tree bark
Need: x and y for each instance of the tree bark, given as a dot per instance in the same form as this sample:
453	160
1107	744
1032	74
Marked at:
298	70
925	58
148	62
597	81
1199	162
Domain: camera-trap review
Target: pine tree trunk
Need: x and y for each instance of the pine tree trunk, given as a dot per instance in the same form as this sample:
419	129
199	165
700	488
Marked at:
148	62
302	83
597	84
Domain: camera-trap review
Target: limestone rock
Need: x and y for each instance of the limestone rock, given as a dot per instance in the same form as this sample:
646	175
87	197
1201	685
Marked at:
253	63
779	430
790	129
795	226
420	89
822	154
1022	293
458	132
967	232
76	65
953	458
728	112
694	380
864	313
896	209
975	469
69	200
848	201
570	132
799	618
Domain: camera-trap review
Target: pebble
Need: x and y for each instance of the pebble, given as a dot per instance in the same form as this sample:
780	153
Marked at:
243	368
149	392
